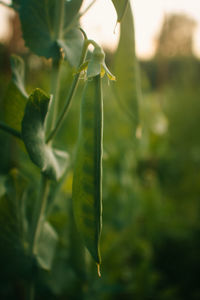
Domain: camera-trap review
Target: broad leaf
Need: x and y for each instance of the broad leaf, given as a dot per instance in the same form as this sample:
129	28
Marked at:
46	246
16	186
87	181
72	8
38	18
126	69
71	43
16	96
120	7
52	162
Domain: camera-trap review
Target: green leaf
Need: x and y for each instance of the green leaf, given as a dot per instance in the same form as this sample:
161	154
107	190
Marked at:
46	246
72	8
71	43
127	86
17	66
86	190
43	36
16	96
13	224
52	162
16	186
120	7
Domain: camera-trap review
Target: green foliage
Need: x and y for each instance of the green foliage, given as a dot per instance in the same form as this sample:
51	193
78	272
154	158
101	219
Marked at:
13	251
47	26
17	66
52	162
46	246
16	97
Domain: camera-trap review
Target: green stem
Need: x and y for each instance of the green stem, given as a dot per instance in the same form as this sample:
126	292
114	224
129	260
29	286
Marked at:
77	17
76	254
94	44
39	215
87	8
56	66
55	87
10	130
70	95
38	222
31	291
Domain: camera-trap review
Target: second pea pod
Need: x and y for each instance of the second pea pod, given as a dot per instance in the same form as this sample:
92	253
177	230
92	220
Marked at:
87	182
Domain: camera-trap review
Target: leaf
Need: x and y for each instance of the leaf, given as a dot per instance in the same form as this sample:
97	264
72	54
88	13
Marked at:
52	162
13	225
72	8
71	43
120	7
38	18
16	96
46	246
127	86
17	66
16	186
87	181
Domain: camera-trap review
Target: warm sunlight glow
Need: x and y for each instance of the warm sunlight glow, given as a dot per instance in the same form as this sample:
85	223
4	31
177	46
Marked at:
148	19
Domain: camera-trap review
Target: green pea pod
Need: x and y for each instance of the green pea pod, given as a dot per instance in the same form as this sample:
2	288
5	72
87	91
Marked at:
86	190
120	7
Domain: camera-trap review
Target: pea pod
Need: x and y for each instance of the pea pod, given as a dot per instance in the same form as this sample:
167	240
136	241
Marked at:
86	190
120	7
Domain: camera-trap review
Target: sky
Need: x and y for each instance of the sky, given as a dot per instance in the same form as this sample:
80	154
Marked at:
4	13
100	22
148	16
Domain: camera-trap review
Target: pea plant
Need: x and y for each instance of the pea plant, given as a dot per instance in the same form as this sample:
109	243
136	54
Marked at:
51	29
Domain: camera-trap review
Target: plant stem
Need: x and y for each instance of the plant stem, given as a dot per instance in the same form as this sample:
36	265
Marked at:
55	87
10	130
87	8
37	224
56	65
39	215
31	291
77	17
70	95
76	254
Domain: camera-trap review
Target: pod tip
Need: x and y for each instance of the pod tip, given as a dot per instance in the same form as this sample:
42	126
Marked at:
98	270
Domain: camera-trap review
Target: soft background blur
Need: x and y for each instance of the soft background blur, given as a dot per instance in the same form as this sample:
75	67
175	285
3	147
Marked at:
151	190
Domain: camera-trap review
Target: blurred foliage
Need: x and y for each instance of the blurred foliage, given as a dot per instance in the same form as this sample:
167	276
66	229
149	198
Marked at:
151	189
176	36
